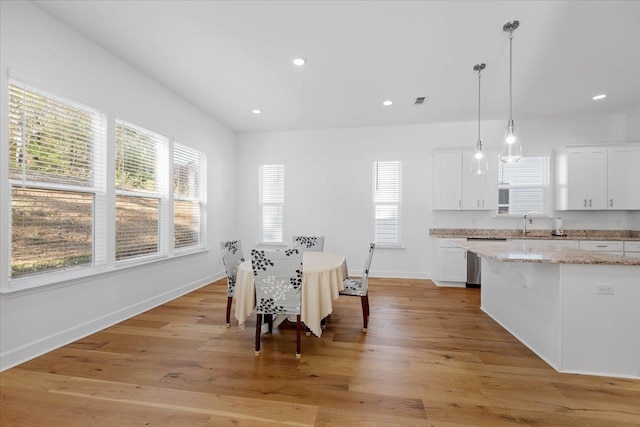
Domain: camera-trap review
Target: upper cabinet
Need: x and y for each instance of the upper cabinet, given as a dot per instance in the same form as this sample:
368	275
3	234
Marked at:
455	187
624	177
598	178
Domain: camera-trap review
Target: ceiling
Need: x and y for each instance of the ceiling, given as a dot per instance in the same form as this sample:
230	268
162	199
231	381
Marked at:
229	57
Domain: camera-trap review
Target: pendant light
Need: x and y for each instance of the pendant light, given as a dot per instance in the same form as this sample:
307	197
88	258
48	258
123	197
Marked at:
479	164
511	150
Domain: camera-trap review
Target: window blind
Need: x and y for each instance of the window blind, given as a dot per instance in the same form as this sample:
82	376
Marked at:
57	175
386	200
188	192
141	183
272	202
522	186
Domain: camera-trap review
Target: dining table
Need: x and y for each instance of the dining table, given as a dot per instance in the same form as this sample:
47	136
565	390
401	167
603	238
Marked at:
323	275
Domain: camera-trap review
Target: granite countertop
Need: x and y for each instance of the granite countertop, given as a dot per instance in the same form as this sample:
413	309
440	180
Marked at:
535	234
535	252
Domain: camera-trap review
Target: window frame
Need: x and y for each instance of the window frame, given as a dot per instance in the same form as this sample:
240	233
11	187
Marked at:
103	206
398	203
262	204
200	198
97	187
545	187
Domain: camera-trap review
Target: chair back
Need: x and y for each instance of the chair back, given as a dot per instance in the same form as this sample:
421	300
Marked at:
367	265
308	243
278	281
231	257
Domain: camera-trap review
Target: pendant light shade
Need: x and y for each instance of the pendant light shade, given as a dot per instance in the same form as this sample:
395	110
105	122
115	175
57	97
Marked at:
511	150
479	163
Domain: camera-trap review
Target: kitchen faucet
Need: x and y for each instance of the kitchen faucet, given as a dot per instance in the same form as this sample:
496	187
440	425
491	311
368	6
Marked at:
524	225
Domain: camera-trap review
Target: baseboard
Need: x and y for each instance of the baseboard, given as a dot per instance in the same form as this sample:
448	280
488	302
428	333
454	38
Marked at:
37	348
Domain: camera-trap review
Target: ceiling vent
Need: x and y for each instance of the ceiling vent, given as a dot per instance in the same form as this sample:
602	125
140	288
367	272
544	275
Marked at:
420	100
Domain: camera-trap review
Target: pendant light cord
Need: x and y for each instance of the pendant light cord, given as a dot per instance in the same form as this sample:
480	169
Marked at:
511	76
479	71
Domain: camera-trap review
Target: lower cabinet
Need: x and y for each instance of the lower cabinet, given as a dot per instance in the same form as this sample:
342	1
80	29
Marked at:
450	264
632	249
611	247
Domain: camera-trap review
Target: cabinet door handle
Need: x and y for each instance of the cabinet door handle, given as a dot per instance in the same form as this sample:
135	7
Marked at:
585	203
611	203
602	246
478	202
589	202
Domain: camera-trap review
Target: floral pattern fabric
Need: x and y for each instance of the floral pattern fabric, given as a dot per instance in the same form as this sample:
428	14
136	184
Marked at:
278	281
231	257
308	243
359	287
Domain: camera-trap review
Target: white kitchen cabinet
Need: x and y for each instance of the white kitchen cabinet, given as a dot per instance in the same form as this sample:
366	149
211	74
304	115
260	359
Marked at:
598	177
582	178
479	192
450	264
456	188
632	249
447	180
611	247
624	177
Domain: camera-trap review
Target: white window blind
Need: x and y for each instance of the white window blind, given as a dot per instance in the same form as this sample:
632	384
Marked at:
386	201
523	186
141	191
57	175
189	167
272	202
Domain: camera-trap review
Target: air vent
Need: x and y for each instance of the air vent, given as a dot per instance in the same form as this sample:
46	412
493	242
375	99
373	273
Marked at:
420	100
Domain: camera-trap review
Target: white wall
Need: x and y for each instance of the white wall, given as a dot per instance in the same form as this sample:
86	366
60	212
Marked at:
35	321
328	183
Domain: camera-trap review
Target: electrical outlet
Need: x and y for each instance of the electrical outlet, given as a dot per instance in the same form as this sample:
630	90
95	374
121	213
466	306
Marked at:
604	289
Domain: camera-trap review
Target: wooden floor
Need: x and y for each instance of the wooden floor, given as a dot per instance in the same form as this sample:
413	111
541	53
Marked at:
430	357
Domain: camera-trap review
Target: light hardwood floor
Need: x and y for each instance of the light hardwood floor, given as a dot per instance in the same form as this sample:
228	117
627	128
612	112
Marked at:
430	357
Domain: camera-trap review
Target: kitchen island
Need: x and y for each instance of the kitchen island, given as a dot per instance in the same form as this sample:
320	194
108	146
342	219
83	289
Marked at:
578	310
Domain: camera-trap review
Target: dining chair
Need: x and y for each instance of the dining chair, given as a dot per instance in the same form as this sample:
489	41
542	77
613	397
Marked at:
309	243
360	288
278	282
231	257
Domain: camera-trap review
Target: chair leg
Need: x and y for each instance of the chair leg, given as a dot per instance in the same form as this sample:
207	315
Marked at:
270	322
229	299
298	328
307	331
365	308
323	323
258	331
367	301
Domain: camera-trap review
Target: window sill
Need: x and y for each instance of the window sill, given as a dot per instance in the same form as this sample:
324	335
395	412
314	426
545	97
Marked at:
61	279
389	246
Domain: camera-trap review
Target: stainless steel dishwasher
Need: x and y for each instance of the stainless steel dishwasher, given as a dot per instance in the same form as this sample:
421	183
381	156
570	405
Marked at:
474	271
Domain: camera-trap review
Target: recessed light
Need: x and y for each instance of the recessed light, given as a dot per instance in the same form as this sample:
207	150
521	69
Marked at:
603	96
387	103
299	62
256	111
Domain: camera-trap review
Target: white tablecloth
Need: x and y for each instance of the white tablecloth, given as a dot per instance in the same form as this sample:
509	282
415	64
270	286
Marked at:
323	274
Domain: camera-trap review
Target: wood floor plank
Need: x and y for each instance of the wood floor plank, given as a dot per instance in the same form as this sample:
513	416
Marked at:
431	357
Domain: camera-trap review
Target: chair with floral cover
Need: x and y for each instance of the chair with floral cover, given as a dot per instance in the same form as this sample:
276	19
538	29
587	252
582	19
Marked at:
278	281
360	288
231	257
308	243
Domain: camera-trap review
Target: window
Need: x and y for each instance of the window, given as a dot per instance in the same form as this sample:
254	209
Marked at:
188	197
523	186
57	177
271	202
141	191
386	201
